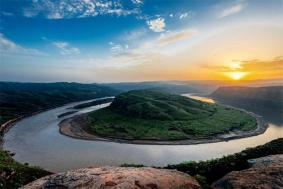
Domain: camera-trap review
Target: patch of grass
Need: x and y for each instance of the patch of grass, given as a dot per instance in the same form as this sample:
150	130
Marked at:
155	115
14	174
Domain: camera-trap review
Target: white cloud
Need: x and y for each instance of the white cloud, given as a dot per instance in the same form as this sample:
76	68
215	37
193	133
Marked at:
157	25
177	36
80	8
231	10
183	15
171	15
66	49
9	47
117	49
167	44
123	57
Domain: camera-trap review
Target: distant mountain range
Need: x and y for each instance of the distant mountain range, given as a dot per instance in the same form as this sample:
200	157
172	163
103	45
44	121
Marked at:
177	87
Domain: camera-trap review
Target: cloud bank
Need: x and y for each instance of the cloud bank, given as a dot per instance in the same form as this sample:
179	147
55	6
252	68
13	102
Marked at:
9	47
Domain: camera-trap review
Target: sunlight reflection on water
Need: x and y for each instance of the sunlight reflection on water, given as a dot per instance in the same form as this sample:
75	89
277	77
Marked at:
200	98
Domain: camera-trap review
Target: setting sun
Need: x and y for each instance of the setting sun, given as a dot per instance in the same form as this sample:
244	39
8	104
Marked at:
236	75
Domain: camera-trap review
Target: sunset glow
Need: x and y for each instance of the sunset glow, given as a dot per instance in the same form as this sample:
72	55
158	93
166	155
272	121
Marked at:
180	40
236	75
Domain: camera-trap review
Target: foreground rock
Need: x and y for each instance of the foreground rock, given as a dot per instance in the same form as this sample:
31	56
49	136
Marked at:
117	178
265	173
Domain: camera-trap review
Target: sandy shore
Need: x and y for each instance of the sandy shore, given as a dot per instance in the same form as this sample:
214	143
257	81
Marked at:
76	127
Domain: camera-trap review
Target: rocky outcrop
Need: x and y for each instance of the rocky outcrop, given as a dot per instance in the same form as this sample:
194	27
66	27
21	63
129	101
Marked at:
265	173
117	178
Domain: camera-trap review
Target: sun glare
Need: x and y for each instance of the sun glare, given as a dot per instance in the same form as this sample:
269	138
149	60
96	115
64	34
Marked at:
236	75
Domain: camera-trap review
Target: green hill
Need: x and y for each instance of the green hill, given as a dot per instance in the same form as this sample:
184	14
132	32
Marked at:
156	115
152	104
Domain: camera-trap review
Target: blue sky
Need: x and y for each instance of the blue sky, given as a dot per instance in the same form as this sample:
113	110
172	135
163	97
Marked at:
124	40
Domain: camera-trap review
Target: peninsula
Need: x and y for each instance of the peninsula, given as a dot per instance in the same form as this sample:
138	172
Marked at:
154	117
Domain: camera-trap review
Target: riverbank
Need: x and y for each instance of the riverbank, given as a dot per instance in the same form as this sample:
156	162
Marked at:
77	127
5	127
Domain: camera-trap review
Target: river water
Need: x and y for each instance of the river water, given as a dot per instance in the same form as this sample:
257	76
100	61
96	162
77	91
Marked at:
37	141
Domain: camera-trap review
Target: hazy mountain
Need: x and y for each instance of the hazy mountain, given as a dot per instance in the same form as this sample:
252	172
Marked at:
262	100
177	87
18	99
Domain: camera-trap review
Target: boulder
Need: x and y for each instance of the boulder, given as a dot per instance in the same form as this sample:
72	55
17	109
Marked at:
117	178
265	173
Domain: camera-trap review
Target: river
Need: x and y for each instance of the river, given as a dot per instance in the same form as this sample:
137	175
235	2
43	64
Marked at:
37	141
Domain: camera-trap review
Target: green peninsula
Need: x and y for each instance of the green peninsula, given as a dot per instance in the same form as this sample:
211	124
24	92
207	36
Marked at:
155	115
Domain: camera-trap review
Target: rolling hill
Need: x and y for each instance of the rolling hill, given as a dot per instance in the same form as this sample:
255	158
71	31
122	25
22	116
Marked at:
156	115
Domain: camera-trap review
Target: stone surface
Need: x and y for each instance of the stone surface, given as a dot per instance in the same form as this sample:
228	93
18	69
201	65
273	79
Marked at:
117	178
273	160
265	173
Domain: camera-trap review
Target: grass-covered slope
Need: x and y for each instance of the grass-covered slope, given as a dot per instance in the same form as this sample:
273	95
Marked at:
15	175
155	115
17	99
153	104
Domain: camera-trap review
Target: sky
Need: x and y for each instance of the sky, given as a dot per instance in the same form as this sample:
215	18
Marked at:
140	40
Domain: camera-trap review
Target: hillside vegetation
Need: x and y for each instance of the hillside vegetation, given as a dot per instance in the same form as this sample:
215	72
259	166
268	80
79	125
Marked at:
14	174
18	99
207	172
253	96
265	101
155	115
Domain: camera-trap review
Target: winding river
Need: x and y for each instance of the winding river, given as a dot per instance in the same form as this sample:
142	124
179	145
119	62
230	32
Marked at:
37	141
